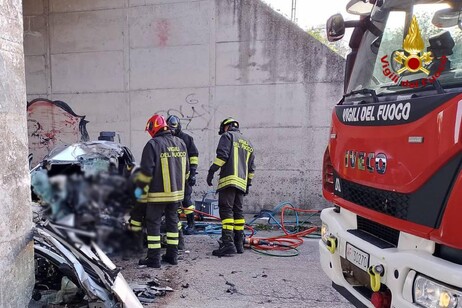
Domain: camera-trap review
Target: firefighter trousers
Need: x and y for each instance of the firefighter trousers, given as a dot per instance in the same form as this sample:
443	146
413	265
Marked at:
137	217
189	204
230	202
153	218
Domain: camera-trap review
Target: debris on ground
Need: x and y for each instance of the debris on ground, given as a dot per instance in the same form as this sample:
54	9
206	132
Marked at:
71	272
232	288
148	292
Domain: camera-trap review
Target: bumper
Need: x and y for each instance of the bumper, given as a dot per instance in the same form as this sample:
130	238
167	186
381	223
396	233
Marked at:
412	254
345	293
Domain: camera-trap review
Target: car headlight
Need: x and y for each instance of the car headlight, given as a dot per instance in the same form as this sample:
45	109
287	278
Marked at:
431	293
324	232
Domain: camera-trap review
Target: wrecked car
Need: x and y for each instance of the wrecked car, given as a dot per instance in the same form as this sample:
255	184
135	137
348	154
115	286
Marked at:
82	194
87	186
88	158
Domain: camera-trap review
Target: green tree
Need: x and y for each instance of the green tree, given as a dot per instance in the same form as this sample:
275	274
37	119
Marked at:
340	47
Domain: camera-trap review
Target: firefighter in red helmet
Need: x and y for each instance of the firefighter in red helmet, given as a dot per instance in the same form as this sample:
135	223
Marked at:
235	158
160	184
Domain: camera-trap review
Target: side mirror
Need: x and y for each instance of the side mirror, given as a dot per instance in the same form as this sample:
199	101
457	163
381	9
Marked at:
335	28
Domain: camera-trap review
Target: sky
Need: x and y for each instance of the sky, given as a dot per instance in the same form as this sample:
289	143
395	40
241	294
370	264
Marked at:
311	13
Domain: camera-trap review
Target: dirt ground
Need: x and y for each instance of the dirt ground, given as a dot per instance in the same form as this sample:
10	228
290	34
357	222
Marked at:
247	280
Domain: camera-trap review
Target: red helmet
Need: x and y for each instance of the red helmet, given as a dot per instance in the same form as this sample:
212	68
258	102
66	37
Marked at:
155	124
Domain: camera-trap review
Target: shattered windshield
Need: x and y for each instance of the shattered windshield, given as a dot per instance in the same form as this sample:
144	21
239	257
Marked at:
410	49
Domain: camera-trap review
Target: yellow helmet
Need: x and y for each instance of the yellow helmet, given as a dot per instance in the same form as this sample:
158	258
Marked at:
226	122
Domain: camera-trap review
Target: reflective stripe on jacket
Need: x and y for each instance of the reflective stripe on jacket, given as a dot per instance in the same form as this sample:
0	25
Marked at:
193	152
235	156
164	159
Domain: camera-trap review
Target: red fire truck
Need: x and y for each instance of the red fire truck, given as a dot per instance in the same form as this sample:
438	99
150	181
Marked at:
393	165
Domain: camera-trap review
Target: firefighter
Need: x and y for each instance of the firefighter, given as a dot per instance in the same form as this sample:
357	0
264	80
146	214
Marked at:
160	184
136	222
235	157
174	124
137	214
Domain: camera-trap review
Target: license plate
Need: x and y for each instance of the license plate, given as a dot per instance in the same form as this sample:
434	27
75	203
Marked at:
357	257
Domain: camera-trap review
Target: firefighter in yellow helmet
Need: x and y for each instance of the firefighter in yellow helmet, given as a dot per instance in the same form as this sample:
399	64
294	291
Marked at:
235	158
160	184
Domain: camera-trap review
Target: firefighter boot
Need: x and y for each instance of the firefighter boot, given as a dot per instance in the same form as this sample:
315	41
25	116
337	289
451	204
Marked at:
171	256
152	260
180	240
190	229
239	241
226	245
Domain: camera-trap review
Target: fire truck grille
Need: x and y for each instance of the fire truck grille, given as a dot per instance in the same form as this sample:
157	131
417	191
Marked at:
386	202
380	231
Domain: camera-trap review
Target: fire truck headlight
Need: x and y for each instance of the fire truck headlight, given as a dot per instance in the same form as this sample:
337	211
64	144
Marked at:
324	232
431	293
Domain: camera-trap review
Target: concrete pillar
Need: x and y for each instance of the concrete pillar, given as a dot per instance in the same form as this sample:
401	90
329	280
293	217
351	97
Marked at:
16	248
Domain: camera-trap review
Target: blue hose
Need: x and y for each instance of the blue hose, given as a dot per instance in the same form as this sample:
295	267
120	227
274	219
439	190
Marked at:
275	211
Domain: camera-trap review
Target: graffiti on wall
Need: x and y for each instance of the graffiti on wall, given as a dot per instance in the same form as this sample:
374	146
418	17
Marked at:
192	110
162	31
50	124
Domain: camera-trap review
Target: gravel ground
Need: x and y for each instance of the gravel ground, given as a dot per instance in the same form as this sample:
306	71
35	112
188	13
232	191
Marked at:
247	280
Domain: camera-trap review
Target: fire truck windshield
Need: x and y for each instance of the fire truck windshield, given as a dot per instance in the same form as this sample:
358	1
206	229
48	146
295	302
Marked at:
410	49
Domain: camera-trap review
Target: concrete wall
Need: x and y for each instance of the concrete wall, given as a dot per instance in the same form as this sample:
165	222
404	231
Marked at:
119	61
16	248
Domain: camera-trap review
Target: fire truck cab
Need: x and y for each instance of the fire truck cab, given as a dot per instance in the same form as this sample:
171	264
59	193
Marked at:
393	165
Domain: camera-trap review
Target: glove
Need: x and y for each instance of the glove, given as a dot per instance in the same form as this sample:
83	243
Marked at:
138	193
210	178
249	183
192	180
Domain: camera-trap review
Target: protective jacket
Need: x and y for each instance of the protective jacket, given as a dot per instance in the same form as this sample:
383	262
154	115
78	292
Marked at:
164	166
193	153
235	157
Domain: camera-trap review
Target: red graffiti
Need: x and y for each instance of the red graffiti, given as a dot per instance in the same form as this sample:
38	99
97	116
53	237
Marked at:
162	31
